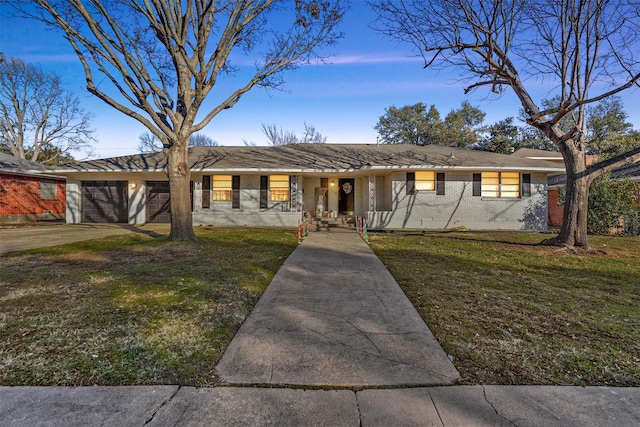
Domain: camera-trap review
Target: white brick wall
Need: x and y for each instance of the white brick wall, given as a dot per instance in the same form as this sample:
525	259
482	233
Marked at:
459	208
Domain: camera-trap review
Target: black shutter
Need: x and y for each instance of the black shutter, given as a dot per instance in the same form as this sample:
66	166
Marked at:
206	191
440	184
235	191
526	185
264	192
477	184
411	183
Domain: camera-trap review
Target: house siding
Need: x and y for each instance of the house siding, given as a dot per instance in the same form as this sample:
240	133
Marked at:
20	199
459	208
249	213
378	173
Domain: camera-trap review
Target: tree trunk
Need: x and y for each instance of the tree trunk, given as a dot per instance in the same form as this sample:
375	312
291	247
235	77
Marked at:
179	174
574	220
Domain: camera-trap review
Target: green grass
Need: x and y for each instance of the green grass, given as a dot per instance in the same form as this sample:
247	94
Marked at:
134	309
140	309
512	312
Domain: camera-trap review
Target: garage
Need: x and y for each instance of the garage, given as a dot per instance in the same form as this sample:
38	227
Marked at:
158	202
105	201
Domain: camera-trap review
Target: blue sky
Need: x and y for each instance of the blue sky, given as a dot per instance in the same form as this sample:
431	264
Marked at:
343	100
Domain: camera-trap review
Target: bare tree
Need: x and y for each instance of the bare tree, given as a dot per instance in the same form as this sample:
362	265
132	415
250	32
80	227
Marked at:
159	60
40	120
149	143
584	51
278	136
201	140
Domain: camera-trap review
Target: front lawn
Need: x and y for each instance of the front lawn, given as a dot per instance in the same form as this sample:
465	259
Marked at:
512	312
134	309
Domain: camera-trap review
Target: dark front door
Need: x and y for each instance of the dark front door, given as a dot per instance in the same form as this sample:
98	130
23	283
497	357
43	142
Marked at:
345	201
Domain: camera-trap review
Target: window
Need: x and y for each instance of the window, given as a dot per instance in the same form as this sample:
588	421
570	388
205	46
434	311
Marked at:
500	184
48	189
420	181
279	188
221	188
509	184
425	180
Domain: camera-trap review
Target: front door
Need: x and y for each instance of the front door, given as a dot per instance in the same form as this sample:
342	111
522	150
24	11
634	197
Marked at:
345	201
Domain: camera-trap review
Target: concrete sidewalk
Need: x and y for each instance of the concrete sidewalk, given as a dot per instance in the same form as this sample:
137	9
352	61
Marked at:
334	316
520	406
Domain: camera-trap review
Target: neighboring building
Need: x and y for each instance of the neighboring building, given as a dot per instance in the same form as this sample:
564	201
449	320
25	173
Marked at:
393	186
29	192
557	181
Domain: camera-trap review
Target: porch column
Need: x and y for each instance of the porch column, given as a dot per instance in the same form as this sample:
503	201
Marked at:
197	194
372	193
295	194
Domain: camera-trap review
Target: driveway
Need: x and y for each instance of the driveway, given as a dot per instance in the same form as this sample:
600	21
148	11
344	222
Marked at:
42	235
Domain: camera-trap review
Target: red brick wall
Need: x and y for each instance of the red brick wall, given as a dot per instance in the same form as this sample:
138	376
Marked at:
20	195
555	210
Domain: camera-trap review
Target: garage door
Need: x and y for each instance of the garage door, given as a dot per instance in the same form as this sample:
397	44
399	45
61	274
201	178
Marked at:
158	202
104	201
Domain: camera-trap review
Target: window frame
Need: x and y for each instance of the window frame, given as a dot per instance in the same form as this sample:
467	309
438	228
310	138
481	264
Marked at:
422	180
218	190
48	189
495	184
278	193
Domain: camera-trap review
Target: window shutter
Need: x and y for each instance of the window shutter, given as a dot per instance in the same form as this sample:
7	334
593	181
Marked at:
206	191
235	191
526	185
477	184
411	183
440	184
264	192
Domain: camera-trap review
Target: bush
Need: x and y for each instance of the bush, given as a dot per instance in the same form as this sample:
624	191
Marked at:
613	206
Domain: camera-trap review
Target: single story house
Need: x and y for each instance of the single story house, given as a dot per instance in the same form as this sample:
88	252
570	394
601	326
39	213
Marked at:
29	191
392	186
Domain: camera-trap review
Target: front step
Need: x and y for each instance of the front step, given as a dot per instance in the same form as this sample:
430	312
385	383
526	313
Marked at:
343	221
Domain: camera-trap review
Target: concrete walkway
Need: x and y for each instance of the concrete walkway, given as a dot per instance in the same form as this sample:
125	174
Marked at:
334	316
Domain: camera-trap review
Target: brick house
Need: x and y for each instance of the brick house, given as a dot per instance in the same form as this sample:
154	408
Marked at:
392	186
28	192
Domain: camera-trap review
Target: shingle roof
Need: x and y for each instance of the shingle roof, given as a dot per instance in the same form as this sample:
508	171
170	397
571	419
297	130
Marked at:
14	165
532	153
319	158
628	170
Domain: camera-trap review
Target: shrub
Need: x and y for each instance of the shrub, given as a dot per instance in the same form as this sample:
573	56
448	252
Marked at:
613	206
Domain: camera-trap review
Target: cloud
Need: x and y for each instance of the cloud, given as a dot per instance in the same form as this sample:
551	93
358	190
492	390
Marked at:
370	58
